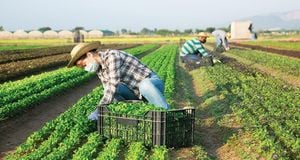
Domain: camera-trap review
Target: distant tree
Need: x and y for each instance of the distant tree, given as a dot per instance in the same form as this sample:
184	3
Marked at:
78	28
108	33
226	29
1	28
146	31
177	32
188	31
44	29
164	32
199	30
133	33
124	31
210	29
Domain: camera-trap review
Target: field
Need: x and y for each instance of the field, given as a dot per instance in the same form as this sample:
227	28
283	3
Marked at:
246	107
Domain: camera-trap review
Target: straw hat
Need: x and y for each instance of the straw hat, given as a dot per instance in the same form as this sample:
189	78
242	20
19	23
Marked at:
203	34
81	49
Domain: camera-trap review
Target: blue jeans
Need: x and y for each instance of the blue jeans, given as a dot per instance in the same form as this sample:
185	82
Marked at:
152	89
222	42
190	58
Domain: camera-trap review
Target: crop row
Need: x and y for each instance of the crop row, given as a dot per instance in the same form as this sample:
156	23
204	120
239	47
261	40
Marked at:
162	61
15	99
32	53
140	49
25	67
61	137
37	88
295	46
266	106
25	54
278	62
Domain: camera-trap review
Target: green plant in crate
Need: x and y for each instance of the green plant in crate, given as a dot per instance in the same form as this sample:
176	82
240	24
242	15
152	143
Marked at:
130	121
135	109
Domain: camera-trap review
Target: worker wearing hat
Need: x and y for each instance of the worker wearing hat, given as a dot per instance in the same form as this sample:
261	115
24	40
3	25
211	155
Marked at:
193	51
123	76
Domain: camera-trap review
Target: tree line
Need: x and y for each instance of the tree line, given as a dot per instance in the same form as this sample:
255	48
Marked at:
144	31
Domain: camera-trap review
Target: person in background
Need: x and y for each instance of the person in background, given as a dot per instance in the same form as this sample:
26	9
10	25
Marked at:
194	54
221	39
122	75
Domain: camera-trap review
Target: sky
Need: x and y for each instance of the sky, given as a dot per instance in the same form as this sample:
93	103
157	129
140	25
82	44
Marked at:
133	14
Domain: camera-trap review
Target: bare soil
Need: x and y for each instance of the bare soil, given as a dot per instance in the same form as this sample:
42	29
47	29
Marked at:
15	130
269	49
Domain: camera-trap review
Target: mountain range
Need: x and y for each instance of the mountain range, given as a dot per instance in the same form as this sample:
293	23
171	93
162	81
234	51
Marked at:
273	21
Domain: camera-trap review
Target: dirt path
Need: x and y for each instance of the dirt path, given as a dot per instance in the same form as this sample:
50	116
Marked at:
194	89
189	92
289	53
15	130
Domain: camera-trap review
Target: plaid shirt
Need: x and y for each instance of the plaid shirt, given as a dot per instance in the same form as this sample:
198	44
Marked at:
119	67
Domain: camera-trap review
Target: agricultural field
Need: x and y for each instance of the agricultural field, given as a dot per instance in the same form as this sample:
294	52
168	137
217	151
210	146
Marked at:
247	107
279	47
294	46
16	64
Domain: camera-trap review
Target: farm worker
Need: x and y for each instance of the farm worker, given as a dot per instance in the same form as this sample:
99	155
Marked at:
123	76
221	39
193	51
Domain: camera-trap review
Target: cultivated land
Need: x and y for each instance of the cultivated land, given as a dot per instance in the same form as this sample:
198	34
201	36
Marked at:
246	108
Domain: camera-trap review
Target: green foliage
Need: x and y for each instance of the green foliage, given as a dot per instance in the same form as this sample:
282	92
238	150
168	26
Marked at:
78	28
44	29
210	29
138	109
279	62
71	134
90	148
141	49
111	150
159	153
295	46
162	61
21	47
36	89
61	130
199	153
266	106
136	151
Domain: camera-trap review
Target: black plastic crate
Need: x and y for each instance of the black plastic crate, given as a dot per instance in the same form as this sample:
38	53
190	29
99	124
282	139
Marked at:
173	128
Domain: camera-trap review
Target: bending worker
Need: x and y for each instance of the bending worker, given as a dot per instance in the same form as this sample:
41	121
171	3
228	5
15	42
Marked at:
122	75
221	39
193	52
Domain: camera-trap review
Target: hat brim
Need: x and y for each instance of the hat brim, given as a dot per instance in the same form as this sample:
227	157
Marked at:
80	50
